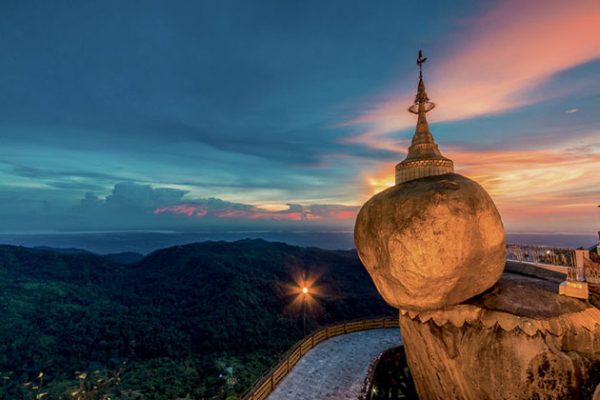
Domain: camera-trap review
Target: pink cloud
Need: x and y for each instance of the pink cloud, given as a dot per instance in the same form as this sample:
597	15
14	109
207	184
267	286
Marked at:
255	214
293	212
508	52
347	214
185	209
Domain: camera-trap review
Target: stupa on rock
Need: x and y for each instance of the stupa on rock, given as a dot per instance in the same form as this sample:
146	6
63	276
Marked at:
434	246
435	238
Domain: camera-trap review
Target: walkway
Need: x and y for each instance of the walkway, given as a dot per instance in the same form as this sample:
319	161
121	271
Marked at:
336	368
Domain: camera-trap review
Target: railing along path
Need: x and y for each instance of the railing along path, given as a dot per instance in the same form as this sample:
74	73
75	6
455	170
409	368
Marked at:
543	255
263	388
576	264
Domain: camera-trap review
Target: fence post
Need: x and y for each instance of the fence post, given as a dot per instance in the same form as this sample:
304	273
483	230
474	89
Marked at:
579	263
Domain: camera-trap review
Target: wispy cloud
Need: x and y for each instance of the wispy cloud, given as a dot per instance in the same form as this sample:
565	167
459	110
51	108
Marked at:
507	54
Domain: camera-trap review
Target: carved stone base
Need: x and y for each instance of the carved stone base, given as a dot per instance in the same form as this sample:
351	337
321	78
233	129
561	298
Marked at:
519	340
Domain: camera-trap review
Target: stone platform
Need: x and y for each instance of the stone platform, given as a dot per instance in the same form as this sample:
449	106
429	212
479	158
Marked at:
518	340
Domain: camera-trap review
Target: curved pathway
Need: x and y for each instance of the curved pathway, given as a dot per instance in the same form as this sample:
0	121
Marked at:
336	368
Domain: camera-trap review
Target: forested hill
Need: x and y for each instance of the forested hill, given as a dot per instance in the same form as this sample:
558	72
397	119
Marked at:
178	317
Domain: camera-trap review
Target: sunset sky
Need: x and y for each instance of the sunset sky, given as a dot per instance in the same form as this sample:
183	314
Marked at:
290	114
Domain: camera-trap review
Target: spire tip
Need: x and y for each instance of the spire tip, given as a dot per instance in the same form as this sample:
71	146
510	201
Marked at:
422	103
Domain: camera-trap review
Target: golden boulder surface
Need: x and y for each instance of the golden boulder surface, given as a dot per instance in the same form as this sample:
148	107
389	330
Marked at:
431	242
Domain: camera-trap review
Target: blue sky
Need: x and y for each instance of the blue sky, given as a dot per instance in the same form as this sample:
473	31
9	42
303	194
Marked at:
193	115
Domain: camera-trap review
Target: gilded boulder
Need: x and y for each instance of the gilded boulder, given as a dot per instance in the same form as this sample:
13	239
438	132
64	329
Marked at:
431	242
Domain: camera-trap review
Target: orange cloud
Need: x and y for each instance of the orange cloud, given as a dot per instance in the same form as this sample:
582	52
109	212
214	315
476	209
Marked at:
551	189
510	51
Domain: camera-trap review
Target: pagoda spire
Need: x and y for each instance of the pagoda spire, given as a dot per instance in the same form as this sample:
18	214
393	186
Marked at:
424	157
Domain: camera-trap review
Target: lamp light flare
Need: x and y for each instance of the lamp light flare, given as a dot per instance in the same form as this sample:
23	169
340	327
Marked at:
304	291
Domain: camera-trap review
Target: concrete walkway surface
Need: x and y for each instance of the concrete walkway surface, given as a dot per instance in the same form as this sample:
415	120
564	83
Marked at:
336	368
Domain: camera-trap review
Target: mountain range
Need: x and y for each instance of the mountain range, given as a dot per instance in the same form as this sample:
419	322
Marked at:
201	320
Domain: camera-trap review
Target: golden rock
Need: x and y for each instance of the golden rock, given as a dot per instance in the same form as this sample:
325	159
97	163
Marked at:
431	242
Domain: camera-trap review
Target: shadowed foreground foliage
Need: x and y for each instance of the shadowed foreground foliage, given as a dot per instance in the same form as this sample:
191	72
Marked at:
196	321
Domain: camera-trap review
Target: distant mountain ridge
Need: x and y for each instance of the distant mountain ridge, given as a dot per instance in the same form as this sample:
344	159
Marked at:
147	242
185	312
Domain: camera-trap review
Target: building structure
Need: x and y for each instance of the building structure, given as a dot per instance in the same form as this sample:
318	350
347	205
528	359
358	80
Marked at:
408	236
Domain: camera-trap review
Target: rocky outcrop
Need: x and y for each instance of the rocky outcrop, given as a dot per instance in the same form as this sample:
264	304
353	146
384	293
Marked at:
519	340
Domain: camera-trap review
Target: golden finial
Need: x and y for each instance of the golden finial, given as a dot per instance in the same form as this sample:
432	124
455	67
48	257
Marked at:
422	103
420	61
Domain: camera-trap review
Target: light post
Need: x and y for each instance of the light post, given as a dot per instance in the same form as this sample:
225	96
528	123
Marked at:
304	292
304	295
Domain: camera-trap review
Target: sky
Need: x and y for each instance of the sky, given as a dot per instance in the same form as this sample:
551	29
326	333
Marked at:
227	115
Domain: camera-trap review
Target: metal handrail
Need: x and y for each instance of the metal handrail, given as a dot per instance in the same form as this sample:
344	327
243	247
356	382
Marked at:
267	383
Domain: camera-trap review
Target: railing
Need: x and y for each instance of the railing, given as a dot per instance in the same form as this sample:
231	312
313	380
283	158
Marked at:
576	264
592	272
541	255
269	381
